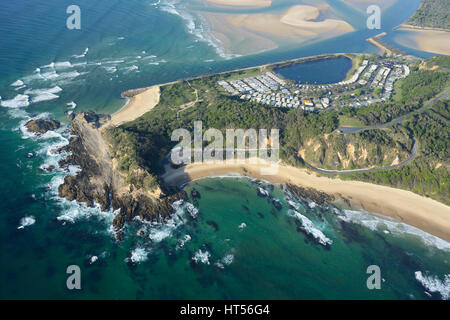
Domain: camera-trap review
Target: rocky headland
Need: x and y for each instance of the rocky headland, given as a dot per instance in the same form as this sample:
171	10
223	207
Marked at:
99	181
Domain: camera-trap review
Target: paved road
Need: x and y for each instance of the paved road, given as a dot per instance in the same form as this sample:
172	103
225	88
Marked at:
349	130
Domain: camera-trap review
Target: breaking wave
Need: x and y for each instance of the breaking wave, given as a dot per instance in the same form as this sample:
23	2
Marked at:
309	228
434	284
201	257
26	222
376	223
195	25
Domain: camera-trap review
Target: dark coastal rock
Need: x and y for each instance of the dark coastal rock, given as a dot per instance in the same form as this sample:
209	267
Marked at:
49	168
42	126
277	204
213	225
262	193
316	196
195	194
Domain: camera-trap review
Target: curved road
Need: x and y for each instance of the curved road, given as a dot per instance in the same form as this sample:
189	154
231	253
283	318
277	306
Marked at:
350	130
347	130
400	165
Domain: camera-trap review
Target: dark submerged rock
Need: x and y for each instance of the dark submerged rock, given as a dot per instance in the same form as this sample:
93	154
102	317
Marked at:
195	194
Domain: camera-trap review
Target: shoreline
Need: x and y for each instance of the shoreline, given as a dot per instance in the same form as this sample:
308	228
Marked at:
375	41
423	213
249	33
433	40
360	194
139	102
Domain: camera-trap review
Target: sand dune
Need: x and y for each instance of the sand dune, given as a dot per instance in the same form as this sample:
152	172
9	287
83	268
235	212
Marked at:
426	40
265	31
423	213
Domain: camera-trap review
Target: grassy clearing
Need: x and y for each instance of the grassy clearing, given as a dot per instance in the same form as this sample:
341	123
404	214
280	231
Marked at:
346	121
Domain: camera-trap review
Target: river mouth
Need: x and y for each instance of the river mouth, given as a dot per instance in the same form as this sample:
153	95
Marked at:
323	71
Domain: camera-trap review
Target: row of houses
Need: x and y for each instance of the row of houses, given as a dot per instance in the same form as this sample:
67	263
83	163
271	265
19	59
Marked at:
266	83
267	88
399	72
366	77
381	77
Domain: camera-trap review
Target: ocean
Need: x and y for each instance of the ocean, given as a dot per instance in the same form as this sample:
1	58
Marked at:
239	245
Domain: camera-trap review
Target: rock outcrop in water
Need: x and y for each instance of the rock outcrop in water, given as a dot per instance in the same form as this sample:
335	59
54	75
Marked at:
100	182
318	197
42	126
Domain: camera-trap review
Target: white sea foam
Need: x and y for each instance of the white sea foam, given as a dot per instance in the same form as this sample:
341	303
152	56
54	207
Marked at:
242	226
26	222
195	25
192	210
434	284
71	105
183	241
17	83
70	75
93	259
201	257
19	101
46	94
44	97
63	65
138	255
110	69
377	223
312	205
81	55
49	75
132	68
160	232
310	229
53	90
20	88
51	66
225	261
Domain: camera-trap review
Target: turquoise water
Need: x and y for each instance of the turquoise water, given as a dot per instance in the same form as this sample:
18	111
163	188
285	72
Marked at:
134	44
318	72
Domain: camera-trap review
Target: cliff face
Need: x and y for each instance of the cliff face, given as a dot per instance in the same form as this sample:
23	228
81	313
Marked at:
100	182
372	149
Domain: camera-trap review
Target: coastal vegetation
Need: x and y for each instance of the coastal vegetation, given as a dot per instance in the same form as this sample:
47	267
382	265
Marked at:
411	94
428	174
432	14
141	146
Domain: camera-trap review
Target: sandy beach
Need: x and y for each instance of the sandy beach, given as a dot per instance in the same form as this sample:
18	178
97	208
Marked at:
255	32
428	40
139	104
424	213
